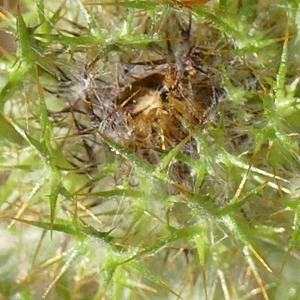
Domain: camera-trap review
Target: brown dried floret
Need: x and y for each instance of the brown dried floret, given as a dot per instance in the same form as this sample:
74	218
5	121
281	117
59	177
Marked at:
161	109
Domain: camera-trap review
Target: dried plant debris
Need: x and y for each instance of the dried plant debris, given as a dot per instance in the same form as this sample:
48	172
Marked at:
147	98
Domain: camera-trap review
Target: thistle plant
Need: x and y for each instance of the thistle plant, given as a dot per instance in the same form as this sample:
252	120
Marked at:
150	150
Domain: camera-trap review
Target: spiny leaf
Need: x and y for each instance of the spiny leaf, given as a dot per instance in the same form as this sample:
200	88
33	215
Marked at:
116	192
26	41
152	277
281	75
242	233
8	131
79	232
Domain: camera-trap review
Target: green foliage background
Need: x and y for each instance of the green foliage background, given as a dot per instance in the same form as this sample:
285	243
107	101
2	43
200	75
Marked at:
116	227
